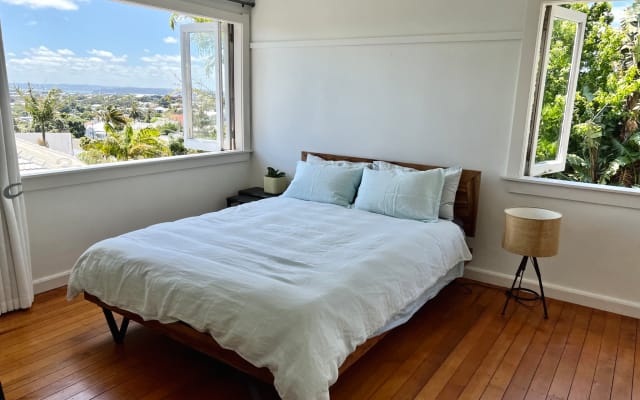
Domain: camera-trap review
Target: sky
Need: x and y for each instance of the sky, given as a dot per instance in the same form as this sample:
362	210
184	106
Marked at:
94	42
618	10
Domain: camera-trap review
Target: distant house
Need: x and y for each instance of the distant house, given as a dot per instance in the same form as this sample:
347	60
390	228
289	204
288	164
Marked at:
95	130
178	118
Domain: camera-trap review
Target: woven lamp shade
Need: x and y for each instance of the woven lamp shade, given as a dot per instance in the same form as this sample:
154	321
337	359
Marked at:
531	232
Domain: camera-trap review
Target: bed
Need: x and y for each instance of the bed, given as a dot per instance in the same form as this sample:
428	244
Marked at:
289	291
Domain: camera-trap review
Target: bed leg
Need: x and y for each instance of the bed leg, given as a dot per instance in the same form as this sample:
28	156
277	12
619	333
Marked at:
117	333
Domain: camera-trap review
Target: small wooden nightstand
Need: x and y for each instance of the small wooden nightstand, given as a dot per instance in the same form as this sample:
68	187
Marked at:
248	195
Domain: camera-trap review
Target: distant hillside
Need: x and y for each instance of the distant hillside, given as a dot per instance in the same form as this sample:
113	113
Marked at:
95	89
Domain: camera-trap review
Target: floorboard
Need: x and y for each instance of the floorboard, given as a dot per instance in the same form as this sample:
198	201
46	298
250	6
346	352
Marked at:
458	346
566	370
583	377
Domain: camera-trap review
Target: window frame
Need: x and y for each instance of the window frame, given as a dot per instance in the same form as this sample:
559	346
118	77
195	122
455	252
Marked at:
552	12
514	180
218	10
239	16
187	85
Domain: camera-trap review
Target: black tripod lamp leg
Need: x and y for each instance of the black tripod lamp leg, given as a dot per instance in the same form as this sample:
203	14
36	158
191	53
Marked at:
519	273
544	301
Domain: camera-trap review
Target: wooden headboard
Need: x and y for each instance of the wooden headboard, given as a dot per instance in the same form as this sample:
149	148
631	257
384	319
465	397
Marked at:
466	206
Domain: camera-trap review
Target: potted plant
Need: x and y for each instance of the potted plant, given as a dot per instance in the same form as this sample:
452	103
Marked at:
275	181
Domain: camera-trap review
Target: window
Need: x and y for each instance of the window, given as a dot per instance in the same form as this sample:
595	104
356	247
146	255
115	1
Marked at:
170	84
585	108
562	31
208	85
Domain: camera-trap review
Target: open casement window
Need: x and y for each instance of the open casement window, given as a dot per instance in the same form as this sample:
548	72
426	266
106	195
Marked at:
207	51
555	91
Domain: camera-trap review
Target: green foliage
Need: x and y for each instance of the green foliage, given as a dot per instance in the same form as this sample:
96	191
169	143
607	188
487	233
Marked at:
135	113
74	125
43	109
129	144
274	173
169	127
177	148
113	118
603	146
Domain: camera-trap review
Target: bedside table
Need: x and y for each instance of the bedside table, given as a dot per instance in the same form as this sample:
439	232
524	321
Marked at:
248	195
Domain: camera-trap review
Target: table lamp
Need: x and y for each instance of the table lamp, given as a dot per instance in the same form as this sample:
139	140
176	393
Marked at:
531	233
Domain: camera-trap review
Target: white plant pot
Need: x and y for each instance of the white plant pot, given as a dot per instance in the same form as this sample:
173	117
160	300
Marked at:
275	185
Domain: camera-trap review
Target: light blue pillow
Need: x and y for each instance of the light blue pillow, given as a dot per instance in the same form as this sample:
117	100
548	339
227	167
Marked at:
402	194
451	181
324	183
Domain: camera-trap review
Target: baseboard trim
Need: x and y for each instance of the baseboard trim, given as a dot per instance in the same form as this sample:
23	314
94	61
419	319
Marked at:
51	282
581	297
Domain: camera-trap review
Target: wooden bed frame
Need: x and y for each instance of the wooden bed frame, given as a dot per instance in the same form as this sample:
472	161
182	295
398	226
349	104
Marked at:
465	209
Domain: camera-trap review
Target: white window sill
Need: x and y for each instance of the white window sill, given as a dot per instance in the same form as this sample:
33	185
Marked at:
575	191
104	172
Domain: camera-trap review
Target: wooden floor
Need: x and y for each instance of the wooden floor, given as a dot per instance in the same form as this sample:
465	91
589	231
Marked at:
457	346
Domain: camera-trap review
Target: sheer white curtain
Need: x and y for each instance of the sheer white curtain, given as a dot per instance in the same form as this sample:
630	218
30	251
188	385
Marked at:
16	286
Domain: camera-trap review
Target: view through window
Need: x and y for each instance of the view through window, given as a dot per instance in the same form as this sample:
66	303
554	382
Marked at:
586	114
97	81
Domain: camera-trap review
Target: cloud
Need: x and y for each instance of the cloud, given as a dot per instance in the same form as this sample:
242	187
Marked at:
65	5
43	56
32	23
99	67
161	58
105	55
101	53
170	40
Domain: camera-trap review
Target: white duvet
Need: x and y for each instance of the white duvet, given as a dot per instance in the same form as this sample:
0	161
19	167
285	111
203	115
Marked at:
291	285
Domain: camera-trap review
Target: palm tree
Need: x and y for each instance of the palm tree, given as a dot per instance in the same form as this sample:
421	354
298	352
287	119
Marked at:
113	118
126	145
135	113
43	109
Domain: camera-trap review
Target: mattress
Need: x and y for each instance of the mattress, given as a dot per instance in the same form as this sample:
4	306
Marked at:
405	314
290	285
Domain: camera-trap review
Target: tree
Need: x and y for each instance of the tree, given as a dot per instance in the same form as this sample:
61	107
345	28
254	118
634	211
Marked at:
135	113
165	101
74	124
129	144
113	118
43	109
603	146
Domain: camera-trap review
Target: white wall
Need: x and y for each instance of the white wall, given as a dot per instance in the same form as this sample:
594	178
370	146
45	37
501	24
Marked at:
65	221
68	212
445	102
